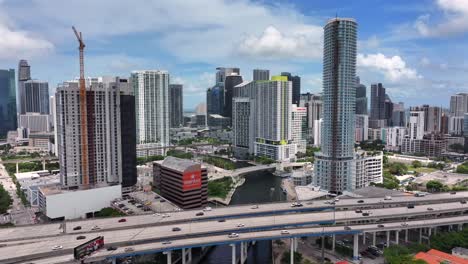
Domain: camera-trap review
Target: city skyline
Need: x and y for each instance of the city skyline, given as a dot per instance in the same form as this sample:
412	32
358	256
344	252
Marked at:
399	47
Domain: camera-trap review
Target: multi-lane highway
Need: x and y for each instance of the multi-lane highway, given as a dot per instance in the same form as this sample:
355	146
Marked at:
37	241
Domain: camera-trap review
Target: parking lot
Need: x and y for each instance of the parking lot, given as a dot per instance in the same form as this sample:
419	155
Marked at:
144	203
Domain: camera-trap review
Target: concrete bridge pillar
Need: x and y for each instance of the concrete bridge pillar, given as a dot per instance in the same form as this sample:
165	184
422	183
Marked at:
186	256
356	247
17	167
43	164
333	243
233	246
420	235
169	256
460	227
292	251
406	235
254	242
243	250
364	238
397	236
435	230
388	238
429	232
114	261
374	234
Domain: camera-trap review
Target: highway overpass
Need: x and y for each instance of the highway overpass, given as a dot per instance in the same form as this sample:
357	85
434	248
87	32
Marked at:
148	232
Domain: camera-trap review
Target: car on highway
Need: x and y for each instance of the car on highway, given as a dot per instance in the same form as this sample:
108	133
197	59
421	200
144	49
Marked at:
207	209
410	206
254	207
199	214
387	198
430	209
360	201
380	226
463	202
129	249
222	220
111	248
123	220
453	192
165	216
337	199
404	224
358	211
57	247
296	205
95	228
166	242
365	214
347	228
240	225
77	228
284	232
156	214
233	235
80	237
175	229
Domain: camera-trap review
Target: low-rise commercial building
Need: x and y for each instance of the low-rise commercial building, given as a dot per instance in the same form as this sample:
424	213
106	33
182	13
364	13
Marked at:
181	181
30	183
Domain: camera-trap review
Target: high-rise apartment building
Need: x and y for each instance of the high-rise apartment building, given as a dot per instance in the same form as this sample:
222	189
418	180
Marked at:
273	110
108	100
361	98
318	132
8	117
455	125
151	89
314	105
24	74
416	123
398	115
35	97
261	75
335	164
395	136
299	127
362	127
432	118
176	110
296	87
244	119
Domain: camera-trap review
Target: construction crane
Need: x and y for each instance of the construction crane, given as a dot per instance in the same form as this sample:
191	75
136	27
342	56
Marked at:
83	111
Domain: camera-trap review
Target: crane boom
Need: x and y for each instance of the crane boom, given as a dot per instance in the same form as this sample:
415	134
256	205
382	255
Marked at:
83	112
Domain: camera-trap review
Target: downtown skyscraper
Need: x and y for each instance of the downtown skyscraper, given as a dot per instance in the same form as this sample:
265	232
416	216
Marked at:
176	101
335	165
8	118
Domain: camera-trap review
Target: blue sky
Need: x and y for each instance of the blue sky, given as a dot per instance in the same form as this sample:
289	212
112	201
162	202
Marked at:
417	49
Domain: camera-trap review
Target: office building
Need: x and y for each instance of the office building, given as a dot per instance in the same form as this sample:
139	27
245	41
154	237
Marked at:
273	110
176	112
261	75
377	134
361	98
181	181
444	123
416	123
36	97
296	87
362	127
217	122
215	100
229	82
398	115
8	117
378	108
43	141
395	136
459	104
432	118
465	132
314	104
108	100
299	127
151	90
455	125
24	74
335	163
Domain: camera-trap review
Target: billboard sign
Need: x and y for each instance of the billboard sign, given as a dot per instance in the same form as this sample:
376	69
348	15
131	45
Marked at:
88	247
191	180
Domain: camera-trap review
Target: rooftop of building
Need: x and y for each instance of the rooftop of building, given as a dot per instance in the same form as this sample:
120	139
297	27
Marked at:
177	164
31	175
331	20
460	250
373	192
53	190
243	83
434	256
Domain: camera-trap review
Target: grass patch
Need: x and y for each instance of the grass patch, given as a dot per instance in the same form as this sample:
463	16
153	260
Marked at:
220	162
220	188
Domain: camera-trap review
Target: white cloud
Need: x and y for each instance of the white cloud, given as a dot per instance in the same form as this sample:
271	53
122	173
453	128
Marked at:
274	44
454	21
393	68
16	44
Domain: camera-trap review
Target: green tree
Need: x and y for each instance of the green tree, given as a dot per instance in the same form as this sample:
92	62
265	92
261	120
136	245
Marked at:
416	164
434	186
108	212
5	200
457	147
397	168
463	168
396	254
287	257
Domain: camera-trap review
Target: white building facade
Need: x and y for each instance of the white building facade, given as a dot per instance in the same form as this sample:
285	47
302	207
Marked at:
299	127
